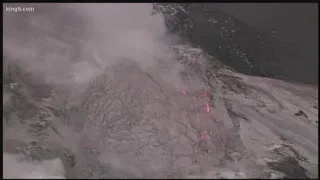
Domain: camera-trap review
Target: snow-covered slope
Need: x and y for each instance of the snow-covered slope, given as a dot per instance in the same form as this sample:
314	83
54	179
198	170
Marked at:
238	44
271	123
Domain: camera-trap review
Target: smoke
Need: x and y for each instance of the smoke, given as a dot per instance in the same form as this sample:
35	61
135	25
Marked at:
71	44
16	167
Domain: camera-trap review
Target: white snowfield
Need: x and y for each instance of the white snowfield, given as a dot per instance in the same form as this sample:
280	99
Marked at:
187	116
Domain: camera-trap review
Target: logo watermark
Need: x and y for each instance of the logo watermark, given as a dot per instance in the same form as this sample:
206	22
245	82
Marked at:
19	9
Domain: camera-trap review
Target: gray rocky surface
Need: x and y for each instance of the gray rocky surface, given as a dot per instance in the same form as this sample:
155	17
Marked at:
180	115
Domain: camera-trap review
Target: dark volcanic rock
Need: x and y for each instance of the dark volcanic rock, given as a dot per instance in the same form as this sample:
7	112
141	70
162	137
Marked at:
238	44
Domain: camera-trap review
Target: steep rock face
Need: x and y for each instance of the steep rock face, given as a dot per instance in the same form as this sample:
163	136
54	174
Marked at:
238	44
193	117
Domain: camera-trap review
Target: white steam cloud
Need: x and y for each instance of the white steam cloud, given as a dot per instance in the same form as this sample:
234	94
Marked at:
71	44
109	33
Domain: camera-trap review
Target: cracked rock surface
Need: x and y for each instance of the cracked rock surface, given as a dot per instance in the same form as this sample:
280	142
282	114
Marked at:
134	122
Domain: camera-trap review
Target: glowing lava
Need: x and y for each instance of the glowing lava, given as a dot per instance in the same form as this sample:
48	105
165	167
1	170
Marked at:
185	92
206	94
207	108
203	136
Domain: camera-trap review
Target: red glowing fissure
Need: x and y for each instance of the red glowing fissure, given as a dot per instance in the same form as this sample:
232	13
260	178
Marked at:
206	94
203	136
207	107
